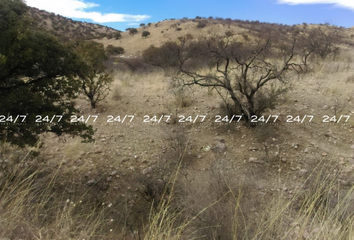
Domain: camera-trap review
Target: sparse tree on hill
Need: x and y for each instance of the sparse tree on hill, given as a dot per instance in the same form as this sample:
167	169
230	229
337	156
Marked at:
319	41
145	34
133	31
165	56
96	83
142	24
117	35
324	40
202	24
112	50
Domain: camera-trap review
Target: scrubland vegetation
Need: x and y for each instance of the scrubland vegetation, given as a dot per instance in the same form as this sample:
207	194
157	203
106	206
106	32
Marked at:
176	180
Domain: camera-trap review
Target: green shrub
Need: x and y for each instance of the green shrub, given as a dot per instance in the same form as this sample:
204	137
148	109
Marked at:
133	31
145	34
112	50
201	24
117	35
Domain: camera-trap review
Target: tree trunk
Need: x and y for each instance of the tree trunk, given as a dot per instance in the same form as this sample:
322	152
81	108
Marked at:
93	104
251	108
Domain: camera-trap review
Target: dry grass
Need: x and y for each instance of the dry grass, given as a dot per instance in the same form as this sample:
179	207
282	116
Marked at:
30	209
317	210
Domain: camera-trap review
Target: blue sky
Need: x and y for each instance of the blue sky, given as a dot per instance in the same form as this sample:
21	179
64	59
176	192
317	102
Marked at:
121	14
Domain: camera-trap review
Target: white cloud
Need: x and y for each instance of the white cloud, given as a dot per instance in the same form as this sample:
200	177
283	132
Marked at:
78	9
341	3
133	24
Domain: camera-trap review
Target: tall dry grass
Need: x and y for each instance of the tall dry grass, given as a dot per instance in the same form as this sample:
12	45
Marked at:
319	209
31	209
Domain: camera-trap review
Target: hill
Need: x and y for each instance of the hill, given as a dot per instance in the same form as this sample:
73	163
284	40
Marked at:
160	32
66	28
171	30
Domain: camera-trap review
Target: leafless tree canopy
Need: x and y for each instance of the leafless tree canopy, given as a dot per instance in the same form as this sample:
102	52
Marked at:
242	69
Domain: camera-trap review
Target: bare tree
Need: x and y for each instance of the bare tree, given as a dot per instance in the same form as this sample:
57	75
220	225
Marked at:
247	72
321	41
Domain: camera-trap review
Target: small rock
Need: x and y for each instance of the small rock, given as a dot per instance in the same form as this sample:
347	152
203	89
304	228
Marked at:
146	170
113	173
344	183
220	147
91	182
329	133
324	154
352	146
306	150
303	172
255	160
325	107
284	160
132	168
207	148
125	160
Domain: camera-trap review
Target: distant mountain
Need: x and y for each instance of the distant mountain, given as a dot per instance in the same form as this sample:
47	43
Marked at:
66	28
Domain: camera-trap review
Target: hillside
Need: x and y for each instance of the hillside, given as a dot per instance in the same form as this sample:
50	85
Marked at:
67	28
171	30
167	30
